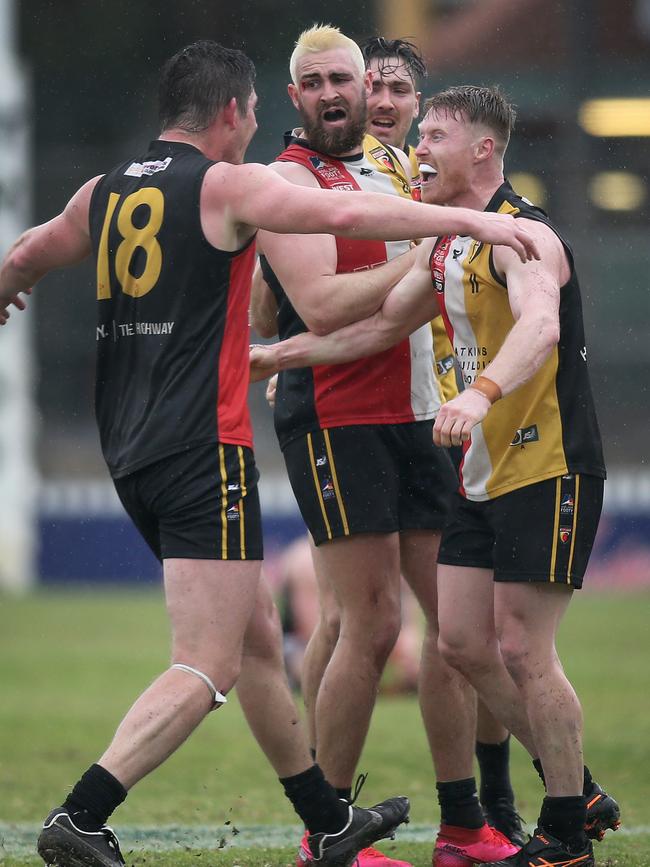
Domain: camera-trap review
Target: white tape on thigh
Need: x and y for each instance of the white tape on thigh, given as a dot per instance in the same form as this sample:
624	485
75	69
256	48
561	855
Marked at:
219	698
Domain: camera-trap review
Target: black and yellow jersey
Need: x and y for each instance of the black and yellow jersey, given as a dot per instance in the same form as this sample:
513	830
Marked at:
547	427
172	328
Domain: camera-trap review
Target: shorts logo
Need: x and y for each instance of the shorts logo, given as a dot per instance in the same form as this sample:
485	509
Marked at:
233	512
382	156
525	435
566	506
321	461
233	486
327	489
565	534
445	365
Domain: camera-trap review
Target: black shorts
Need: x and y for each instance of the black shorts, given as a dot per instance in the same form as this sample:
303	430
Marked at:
370	479
541	532
200	504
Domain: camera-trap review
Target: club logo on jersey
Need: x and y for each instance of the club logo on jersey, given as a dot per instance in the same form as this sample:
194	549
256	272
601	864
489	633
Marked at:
232	513
137	170
445	365
565	535
456	254
329	171
382	156
477	246
438	260
366	172
327	489
567	504
525	435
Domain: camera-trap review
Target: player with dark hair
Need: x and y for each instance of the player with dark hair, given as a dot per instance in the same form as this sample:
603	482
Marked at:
531	481
172	234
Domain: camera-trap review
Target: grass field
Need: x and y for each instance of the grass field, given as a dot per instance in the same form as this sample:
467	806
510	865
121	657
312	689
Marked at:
71	663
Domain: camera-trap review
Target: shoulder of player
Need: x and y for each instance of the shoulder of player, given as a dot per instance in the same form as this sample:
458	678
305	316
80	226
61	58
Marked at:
295	173
548	242
78	207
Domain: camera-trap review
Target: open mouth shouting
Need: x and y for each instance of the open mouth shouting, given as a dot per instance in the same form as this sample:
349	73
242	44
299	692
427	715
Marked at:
334	115
427	173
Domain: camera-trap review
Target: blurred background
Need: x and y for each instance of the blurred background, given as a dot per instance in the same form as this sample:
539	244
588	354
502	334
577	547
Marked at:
79	94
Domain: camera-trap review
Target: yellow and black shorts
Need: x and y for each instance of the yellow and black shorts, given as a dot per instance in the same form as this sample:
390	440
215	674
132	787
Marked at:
370	479
199	504
541	532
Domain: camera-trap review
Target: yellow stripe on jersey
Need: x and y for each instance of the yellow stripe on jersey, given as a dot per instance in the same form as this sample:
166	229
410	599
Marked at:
573	530
556	528
335	482
314	471
242	487
385	160
224	504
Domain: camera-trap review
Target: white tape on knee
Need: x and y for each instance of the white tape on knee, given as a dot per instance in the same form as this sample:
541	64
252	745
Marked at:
219	698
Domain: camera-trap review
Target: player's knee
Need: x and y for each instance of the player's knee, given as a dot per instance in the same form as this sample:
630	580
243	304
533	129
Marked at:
383	637
222	673
459	650
330	624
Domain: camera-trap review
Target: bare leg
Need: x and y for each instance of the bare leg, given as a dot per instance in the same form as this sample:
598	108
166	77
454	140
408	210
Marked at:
209	604
264	694
364	571
488	729
447	700
320	646
468	642
528	616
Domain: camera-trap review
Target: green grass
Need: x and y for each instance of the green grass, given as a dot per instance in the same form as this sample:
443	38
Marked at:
71	663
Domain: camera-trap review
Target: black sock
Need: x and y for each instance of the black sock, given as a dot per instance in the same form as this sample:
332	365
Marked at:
459	804
538	767
315	801
345	794
565	819
94	797
494	764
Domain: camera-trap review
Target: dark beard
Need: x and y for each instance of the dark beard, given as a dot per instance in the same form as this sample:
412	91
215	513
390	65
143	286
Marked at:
337	141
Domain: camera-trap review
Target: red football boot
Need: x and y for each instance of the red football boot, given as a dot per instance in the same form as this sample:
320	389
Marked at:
463	847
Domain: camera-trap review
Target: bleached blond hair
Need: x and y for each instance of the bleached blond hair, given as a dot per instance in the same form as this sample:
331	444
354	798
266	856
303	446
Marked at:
324	37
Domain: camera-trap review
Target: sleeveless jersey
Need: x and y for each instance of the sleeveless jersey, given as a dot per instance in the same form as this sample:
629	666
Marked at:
545	428
392	387
442	349
172	333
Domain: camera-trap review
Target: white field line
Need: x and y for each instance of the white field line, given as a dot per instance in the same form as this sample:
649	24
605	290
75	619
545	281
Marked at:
20	839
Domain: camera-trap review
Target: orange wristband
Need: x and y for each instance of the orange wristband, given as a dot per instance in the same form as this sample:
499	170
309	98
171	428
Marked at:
490	389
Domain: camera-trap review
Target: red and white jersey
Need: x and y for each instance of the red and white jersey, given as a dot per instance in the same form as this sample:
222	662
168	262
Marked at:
393	387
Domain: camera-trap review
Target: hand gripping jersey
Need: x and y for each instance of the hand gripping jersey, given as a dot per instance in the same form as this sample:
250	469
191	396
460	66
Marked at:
547	427
442	349
392	387
172	332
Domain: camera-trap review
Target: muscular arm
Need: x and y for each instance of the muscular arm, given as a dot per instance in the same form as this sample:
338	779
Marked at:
408	305
263	309
306	268
534	295
64	240
237	198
